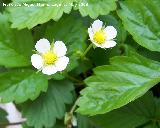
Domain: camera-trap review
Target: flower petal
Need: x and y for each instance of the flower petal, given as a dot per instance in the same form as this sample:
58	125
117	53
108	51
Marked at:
61	63
97	25
111	32
90	32
60	48
97	45
42	46
49	70
37	61
109	44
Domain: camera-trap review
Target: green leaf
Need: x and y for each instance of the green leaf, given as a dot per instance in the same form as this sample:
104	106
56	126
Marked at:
29	17
15	46
115	85
3	115
138	114
58	76
142	20
83	122
73	33
50	105
21	85
96	7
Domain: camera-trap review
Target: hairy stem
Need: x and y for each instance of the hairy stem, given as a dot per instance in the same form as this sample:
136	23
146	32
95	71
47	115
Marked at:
87	50
73	78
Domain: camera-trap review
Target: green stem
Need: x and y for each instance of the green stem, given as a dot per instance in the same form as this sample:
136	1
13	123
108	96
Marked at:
73	79
74	106
69	115
87	50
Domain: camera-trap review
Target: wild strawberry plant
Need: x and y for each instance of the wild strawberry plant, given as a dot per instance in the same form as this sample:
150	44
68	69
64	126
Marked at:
81	63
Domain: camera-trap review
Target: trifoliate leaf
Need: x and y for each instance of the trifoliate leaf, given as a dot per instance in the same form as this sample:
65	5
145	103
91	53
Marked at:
73	33
115	85
141	113
21	85
30	16
44	111
142	20
94	8
15	46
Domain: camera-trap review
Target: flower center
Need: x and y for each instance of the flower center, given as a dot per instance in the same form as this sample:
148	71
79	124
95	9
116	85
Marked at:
50	58
99	37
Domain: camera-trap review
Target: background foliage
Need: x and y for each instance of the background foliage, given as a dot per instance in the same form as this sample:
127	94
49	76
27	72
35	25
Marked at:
112	88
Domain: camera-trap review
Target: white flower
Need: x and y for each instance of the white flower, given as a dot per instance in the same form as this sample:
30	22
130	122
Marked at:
102	36
50	59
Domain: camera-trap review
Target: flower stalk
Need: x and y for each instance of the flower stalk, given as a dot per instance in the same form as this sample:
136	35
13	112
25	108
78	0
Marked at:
87	50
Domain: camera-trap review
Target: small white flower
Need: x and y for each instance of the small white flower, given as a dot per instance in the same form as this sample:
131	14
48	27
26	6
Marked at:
102	36
50	59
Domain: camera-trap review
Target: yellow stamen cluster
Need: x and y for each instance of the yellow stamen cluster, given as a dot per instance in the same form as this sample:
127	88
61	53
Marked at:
50	58
99	37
